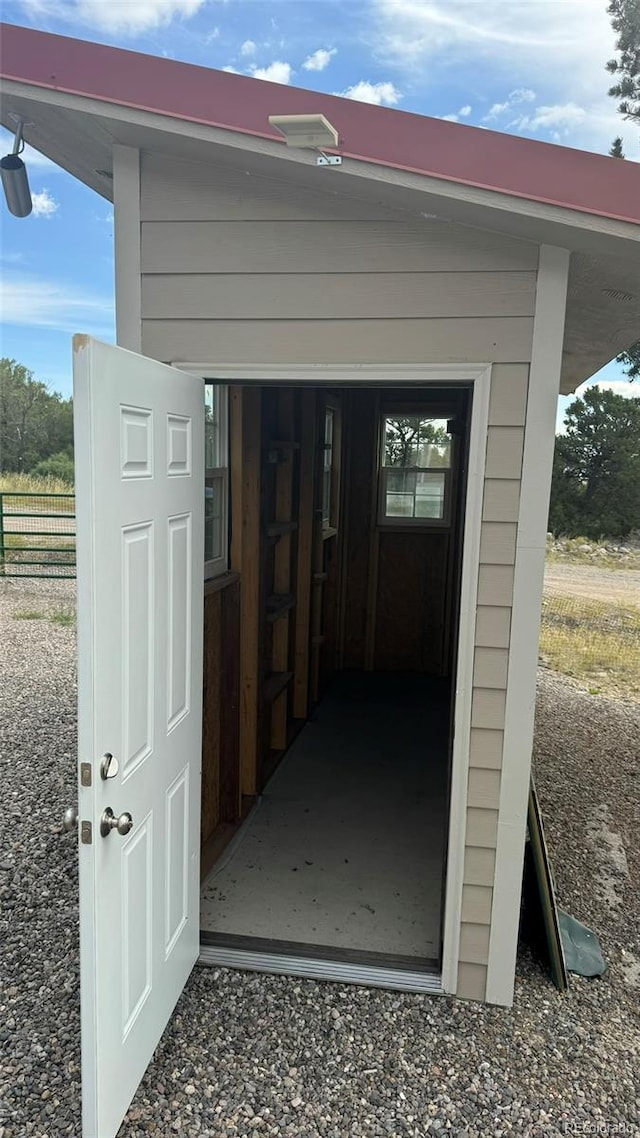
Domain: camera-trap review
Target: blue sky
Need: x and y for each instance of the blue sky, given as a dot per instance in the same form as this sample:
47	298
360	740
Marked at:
529	67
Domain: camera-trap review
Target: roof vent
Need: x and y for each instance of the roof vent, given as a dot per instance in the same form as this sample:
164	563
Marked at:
617	294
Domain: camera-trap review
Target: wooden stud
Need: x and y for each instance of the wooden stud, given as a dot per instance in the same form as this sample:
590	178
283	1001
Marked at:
305	548
246	469
374	545
284	477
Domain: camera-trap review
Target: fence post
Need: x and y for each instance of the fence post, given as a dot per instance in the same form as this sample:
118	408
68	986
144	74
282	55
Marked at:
2	535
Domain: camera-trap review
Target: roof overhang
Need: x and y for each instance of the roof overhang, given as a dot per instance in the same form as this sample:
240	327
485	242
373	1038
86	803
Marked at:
78	132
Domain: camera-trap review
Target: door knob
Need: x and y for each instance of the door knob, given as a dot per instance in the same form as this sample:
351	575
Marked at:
70	820
123	824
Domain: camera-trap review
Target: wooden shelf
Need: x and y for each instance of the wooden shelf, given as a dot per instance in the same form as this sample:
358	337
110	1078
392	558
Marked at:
278	605
281	529
274	685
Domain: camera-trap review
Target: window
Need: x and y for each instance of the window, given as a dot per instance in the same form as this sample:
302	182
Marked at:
215	480
327	469
415	481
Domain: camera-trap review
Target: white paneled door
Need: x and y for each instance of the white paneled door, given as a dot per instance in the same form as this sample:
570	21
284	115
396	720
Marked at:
139	431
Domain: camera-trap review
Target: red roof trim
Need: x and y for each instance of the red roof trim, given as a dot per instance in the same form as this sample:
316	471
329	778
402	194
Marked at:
488	160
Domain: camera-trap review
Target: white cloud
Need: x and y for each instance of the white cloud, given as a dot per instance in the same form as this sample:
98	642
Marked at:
115	16
412	30
520	95
378	93
43	204
558	50
276	72
34	302
463	113
560	117
231	70
248	48
619	387
319	60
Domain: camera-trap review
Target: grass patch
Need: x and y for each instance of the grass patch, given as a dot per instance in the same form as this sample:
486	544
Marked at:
64	617
31	484
28	614
595	642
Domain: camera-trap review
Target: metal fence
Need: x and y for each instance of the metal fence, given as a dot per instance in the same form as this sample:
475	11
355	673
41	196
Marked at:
37	535
595	641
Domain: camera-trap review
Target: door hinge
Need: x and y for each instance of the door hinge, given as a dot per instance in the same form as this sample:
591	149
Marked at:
85	774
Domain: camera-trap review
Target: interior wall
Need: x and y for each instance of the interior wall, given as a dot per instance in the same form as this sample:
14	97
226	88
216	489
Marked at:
399	580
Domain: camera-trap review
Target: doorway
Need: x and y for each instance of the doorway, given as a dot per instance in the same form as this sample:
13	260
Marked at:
347	516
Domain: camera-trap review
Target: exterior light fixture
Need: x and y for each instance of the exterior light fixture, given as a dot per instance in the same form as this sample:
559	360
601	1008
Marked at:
309	132
15	182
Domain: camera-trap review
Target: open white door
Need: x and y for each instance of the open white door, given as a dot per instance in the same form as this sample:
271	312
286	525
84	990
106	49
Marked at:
139	431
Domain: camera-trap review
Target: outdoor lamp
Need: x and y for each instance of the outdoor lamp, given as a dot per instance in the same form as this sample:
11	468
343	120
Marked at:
15	182
309	132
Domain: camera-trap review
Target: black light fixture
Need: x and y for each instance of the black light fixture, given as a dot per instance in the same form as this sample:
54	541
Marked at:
15	182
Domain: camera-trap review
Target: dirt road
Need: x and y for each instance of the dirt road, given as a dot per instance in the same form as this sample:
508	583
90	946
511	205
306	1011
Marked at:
621	585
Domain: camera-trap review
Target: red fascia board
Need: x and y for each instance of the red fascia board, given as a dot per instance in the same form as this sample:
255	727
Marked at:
488	160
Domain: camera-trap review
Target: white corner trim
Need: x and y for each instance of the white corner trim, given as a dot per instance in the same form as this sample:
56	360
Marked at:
126	214
539	440
464	680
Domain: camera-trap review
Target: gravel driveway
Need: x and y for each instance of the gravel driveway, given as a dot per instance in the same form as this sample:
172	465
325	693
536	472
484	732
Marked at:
250	1054
593	582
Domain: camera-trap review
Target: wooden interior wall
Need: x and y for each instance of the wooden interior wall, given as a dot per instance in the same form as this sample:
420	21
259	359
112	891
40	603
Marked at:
221	801
398	582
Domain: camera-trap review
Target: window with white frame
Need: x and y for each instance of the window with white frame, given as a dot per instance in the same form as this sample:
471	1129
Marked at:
216	480
415	469
327	470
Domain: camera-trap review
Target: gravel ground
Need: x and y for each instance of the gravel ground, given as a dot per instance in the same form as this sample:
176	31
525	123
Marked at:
593	582
248	1054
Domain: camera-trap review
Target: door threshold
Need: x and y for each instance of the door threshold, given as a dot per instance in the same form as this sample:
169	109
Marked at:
320	962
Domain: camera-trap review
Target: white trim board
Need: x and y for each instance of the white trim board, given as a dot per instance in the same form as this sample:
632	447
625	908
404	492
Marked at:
337	375
127	240
539	440
389	375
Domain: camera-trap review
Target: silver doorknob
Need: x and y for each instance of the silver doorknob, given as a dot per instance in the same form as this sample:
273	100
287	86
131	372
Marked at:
123	824
70	820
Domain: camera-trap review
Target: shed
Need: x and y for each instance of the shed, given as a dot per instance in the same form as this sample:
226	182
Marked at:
306	710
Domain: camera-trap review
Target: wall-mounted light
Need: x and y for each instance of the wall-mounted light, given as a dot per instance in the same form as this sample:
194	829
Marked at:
310	132
15	182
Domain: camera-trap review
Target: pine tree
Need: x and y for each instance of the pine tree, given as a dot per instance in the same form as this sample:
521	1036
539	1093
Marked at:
615	150
625	19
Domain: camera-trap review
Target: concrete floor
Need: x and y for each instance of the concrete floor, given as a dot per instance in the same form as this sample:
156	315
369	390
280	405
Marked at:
346	846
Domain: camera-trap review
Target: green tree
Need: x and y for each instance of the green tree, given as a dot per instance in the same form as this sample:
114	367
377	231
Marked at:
58	466
616	150
34	422
595	488
625	19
